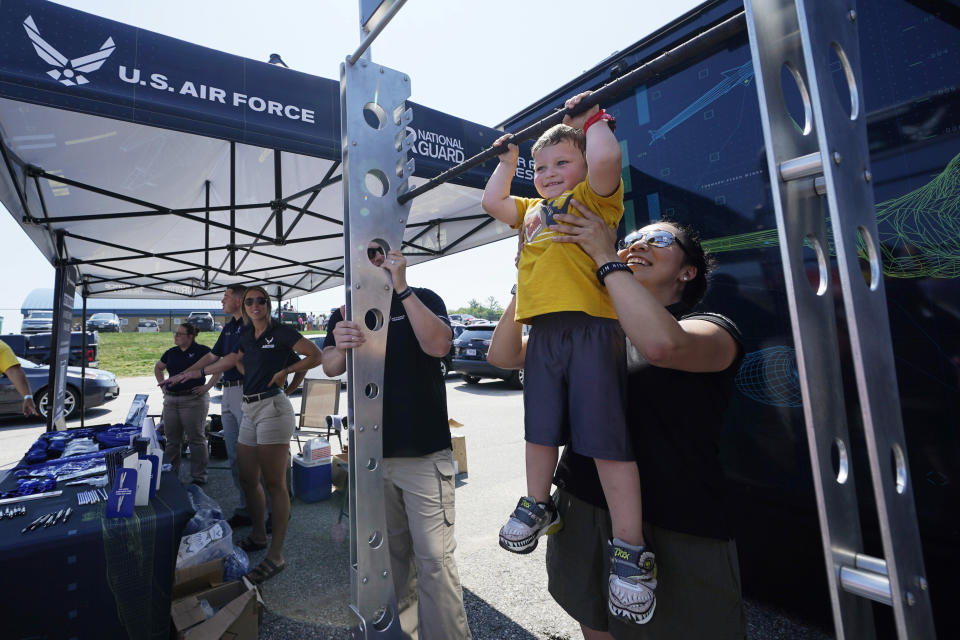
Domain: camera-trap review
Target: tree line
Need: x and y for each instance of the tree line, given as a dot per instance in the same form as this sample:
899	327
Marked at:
490	311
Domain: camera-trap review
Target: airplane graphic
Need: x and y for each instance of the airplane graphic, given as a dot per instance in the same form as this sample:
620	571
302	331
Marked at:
918	231
68	72
732	78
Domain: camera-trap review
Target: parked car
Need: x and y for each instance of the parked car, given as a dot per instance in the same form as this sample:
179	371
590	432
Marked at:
99	387
202	320
37	322
446	364
470	357
105	322
296	319
148	326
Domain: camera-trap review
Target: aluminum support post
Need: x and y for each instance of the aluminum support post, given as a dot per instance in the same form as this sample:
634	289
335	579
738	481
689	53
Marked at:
374	117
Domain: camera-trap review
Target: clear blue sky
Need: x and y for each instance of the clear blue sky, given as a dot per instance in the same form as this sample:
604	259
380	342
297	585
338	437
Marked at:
482	61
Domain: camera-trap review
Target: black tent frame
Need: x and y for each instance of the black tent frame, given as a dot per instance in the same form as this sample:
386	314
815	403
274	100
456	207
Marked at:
286	283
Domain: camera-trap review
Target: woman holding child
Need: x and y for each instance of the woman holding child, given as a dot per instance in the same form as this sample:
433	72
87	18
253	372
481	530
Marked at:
680	376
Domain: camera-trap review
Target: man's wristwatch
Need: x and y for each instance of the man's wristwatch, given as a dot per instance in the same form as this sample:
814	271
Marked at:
29	396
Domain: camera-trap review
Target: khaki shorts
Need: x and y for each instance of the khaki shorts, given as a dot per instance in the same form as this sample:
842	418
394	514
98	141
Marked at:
698	579
267	421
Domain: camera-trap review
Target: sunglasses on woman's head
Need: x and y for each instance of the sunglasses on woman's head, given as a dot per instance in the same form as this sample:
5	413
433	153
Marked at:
258	300
657	238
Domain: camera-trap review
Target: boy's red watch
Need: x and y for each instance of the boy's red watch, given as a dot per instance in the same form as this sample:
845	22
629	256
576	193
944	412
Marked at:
597	117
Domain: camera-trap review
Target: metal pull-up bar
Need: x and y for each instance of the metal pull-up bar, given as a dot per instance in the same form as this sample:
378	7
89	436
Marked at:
668	59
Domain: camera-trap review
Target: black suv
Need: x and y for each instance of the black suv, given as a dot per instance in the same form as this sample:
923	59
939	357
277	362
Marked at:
202	320
104	322
446	363
470	357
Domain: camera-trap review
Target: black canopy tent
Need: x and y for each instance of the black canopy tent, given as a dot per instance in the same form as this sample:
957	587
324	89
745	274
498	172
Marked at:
144	166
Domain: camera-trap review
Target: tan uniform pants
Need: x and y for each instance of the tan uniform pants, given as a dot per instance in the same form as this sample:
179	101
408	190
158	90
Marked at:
419	496
184	418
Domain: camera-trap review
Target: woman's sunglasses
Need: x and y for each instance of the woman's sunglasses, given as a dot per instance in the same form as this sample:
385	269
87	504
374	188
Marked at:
373	252
252	301
658	238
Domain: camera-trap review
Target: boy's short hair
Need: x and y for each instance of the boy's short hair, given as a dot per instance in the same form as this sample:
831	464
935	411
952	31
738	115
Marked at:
557	134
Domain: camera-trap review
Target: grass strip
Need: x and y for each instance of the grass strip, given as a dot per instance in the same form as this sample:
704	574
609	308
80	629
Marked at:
134	354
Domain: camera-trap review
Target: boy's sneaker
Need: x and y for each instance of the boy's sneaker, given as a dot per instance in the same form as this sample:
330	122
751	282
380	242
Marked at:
633	580
529	521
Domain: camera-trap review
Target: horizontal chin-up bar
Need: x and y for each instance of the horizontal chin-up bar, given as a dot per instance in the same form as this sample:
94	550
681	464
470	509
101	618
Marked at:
689	49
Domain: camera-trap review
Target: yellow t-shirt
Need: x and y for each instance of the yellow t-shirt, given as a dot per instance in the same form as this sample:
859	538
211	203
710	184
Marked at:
7	357
559	276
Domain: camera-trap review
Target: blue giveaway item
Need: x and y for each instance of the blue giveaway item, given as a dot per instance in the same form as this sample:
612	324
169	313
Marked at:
236	565
202	519
123	495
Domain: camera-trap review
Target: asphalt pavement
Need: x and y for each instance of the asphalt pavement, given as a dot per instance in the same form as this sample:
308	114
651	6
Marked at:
505	595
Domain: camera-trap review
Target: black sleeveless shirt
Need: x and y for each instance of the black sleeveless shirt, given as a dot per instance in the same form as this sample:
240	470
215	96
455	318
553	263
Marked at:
675	418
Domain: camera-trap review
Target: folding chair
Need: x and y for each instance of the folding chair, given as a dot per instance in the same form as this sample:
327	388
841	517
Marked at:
320	398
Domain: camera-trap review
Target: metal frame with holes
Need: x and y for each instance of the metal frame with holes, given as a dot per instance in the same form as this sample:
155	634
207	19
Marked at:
820	181
374	117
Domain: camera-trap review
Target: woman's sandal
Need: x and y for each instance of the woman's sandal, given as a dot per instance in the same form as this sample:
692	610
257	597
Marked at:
264	571
249	544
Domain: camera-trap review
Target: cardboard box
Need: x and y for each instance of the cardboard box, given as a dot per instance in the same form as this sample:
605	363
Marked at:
459	444
197	578
339	476
239	610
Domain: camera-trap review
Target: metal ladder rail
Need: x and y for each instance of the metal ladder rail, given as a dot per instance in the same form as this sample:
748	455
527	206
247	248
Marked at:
827	154
376	170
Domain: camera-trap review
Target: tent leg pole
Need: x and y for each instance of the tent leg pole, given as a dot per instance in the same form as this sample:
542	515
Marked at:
83	355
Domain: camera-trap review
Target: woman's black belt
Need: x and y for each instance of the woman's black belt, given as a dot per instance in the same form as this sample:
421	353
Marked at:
253	397
186	392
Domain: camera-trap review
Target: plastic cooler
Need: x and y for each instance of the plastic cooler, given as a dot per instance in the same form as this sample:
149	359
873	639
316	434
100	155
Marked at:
311	480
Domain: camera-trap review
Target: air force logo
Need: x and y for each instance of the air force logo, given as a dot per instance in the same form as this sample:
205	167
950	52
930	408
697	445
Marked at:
68	72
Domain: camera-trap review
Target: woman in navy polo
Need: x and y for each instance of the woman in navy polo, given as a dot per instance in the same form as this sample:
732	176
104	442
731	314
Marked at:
263	446
185	404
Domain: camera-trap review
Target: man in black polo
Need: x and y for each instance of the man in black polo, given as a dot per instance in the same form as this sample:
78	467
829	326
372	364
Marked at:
231	404
418	479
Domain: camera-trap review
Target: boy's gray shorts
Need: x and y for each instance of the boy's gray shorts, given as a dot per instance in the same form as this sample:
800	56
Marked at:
574	388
